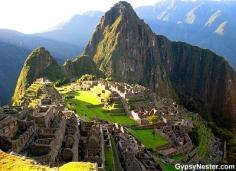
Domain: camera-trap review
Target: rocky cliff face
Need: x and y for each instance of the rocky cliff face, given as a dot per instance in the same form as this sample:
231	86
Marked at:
38	64
125	49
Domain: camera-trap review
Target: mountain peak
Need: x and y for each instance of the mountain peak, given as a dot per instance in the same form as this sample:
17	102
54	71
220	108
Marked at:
39	53
121	9
123	5
120	23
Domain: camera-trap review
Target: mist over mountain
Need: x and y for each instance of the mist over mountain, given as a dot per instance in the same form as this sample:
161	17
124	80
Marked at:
77	30
60	50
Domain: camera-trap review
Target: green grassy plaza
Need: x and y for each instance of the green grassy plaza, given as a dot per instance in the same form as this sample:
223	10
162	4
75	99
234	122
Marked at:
145	136
88	106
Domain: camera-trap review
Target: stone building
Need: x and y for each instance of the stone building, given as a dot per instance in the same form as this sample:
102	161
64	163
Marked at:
17	133
70	145
134	157
93	142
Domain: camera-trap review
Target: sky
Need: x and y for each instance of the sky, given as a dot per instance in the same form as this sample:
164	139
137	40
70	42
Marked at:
32	16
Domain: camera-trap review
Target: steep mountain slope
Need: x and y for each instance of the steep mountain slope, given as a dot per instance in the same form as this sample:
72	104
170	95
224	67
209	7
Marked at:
77	30
79	66
125	48
208	24
11	60
60	50
39	63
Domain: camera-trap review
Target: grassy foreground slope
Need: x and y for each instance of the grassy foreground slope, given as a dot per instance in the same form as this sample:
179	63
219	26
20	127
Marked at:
10	162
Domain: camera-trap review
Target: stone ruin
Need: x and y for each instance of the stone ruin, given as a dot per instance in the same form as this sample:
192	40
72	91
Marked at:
92	142
47	144
83	85
180	143
51	135
15	133
70	145
134	157
126	91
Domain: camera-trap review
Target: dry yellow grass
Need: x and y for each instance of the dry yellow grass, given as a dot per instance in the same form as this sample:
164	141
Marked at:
10	162
15	163
78	166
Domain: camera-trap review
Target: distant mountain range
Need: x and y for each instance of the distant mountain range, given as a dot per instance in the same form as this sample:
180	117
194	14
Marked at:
14	48
206	23
77	30
60	50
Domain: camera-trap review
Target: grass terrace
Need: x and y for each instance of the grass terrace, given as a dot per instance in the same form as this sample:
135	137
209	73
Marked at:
108	159
145	136
88	105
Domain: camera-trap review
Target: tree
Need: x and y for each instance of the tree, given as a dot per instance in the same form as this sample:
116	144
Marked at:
87	77
152	119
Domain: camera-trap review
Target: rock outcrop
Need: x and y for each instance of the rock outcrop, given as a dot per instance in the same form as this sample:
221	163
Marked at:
125	49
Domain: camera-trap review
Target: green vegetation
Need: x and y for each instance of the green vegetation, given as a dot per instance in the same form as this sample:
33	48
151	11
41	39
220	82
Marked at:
146	137
232	150
117	165
38	64
152	119
167	167
201	135
62	82
81	65
204	136
87	105
177	157
87	77
30	94
107	46
108	159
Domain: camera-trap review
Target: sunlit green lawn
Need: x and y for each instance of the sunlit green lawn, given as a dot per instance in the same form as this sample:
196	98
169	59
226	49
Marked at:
146	137
86	104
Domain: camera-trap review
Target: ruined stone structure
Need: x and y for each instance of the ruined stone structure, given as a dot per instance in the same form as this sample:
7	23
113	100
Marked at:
16	133
134	156
93	142
180	143
70	145
49	134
